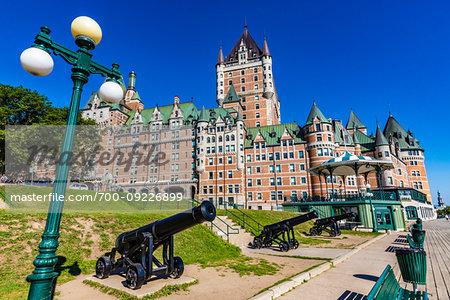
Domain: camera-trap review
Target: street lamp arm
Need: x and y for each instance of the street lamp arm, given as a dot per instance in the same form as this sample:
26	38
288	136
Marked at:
97	68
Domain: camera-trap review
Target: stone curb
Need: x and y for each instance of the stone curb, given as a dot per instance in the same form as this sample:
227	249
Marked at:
286	286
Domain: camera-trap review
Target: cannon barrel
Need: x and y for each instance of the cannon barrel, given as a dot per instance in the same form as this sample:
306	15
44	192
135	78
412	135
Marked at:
163	229
335	218
291	222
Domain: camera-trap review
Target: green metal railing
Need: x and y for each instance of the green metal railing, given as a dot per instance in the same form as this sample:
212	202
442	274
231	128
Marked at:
244	218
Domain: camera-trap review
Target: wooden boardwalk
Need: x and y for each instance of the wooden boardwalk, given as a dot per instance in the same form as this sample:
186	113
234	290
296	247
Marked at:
437	246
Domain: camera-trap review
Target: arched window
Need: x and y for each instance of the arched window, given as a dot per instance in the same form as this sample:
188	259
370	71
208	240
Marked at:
208	140
232	137
220	138
227	138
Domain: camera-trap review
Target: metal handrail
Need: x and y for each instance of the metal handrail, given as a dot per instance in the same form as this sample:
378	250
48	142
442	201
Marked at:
244	223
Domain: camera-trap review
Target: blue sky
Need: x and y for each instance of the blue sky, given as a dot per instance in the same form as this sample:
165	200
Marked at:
365	55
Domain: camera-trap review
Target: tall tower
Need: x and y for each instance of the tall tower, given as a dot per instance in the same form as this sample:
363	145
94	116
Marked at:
440	201
249	70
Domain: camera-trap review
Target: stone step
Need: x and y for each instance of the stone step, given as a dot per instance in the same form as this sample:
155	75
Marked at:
240	239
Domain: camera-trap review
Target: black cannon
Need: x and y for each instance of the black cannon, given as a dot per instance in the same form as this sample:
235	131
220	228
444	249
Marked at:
330	224
136	247
281	233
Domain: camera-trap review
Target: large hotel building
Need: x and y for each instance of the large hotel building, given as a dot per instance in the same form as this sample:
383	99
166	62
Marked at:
238	151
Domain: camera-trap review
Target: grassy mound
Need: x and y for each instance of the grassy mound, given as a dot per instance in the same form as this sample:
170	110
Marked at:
266	217
83	239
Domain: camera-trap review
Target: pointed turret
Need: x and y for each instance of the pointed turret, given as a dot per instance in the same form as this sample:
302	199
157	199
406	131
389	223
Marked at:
231	95
315	112
239	118
380	139
354	122
203	117
220	59
266	51
249	43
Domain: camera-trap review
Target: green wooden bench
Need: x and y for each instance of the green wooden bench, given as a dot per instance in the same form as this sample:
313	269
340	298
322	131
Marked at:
388	288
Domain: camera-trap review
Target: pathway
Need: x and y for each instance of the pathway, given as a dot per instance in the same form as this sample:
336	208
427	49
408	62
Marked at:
351	279
437	246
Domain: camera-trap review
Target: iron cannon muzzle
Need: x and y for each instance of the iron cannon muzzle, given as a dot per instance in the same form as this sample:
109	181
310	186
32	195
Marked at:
204	212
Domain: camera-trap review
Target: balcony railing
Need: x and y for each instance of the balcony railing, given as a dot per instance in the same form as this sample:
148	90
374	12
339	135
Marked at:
377	195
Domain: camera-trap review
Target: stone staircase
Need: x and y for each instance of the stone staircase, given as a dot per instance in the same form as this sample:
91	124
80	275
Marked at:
240	239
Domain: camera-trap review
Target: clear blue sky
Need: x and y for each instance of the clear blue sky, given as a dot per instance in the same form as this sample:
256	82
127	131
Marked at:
363	55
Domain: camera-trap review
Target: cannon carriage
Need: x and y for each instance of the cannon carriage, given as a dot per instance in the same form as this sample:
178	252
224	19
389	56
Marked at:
330	224
136	247
281	233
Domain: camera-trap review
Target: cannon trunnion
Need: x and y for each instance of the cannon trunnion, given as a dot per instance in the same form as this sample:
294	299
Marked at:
136	247
330	224
281	233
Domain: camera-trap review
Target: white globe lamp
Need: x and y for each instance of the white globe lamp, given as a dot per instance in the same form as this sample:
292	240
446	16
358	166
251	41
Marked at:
36	61
111	92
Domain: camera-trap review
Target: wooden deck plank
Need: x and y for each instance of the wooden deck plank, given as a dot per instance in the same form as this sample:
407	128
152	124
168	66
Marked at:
437	245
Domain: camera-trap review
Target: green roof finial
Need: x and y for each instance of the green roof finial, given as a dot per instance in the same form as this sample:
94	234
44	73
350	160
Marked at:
203	117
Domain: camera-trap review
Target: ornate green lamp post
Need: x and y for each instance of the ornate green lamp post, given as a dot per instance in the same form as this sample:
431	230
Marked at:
37	61
370	194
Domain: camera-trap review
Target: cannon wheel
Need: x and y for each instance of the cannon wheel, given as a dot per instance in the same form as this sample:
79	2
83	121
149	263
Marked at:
284	246
315	231
295	244
178	267
257	244
135	276
103	267
333	233
268	244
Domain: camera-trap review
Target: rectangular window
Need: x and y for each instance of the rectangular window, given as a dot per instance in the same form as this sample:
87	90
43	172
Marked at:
249	158
272	181
250	196
302	167
271	169
230	174
258	169
230	159
277	156
317	127
230	189
256	98
319	151
279	181
259	196
249	170
303	180
270	156
211	175
249	182
258	181
300	154
236	188
291	168
278	168
319	137
293	182
273	196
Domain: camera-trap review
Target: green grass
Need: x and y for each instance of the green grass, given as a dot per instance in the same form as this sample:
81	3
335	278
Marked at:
85	237
265	217
361	233
165	291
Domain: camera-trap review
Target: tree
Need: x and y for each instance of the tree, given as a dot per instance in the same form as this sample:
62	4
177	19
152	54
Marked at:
22	106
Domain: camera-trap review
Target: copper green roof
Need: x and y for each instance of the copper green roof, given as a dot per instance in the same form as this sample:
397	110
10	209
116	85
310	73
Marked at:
203	117
339	133
188	110
366	142
380	139
315	112
404	139
354	122
272	134
231	95
136	97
